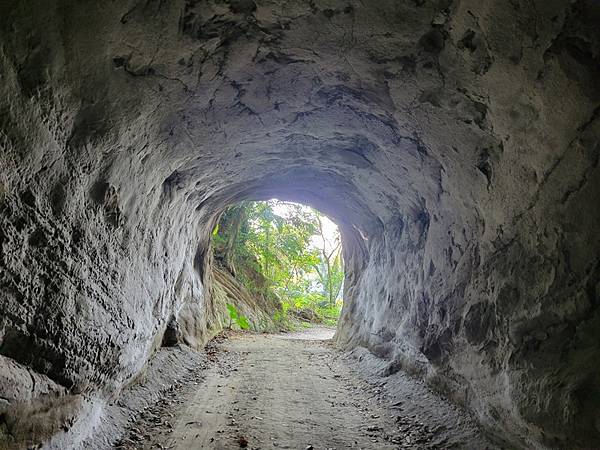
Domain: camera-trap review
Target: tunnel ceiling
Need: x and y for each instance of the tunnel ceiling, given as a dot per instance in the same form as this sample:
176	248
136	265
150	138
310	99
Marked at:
455	142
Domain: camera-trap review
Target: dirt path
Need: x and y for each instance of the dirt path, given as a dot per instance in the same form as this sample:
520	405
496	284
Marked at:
284	392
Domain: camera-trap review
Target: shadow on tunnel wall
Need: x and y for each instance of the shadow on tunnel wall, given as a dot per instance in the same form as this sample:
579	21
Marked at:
460	146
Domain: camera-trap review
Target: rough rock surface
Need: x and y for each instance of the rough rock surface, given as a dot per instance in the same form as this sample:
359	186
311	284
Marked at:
454	142
258	310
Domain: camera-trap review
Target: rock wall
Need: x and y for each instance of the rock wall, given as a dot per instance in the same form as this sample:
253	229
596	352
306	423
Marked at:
454	142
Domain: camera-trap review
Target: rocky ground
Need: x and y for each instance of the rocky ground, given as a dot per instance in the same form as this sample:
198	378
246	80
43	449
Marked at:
296	391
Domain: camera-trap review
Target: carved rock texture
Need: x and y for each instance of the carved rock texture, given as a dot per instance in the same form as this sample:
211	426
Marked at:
454	142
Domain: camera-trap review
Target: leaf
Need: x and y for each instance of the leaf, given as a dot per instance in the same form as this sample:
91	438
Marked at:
243	323
236	317
233	312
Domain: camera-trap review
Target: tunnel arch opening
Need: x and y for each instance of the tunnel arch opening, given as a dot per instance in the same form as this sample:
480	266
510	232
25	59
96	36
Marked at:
370	219
279	260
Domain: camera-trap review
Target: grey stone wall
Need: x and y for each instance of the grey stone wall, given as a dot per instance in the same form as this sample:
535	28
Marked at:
456	144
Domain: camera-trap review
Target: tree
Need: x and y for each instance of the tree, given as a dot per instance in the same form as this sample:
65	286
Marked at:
228	229
330	269
289	252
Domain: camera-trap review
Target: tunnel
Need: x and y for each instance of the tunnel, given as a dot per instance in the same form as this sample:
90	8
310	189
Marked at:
454	142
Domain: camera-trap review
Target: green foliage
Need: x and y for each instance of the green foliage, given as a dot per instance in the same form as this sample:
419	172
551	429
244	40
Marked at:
235	317
283	320
288	257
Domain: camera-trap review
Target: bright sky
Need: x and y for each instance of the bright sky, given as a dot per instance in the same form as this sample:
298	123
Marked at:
330	229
